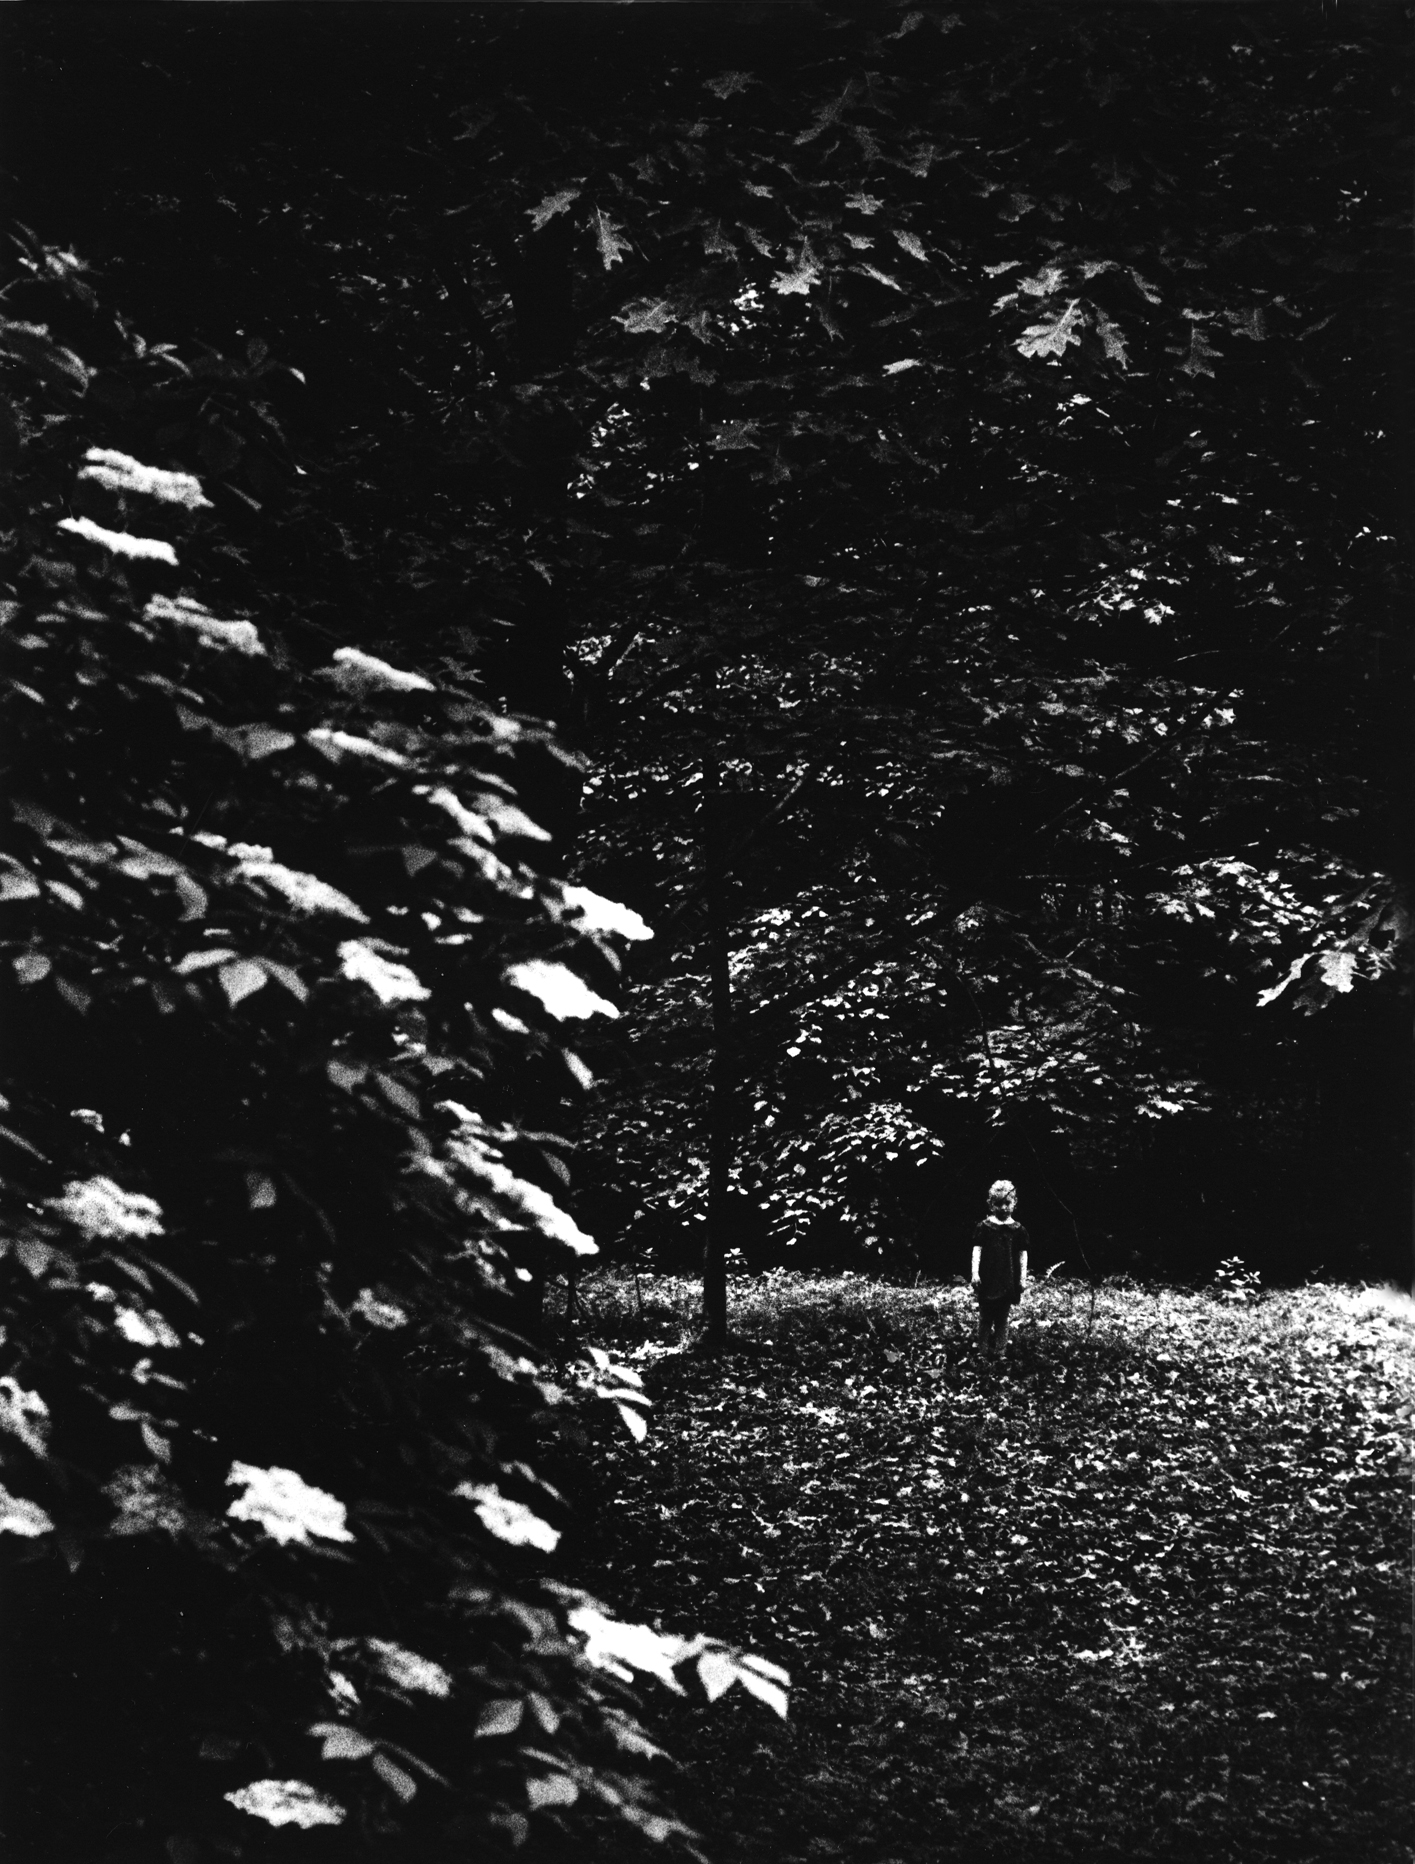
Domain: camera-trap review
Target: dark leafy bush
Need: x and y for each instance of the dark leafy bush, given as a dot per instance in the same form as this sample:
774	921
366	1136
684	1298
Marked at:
281	992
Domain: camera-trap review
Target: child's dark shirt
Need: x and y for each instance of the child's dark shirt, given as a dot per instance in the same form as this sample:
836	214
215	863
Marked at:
1000	1243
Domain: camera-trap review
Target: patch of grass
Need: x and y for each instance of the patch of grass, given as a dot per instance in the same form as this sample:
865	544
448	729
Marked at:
1142	1597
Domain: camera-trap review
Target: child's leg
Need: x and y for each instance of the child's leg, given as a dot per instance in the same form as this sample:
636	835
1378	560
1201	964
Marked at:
987	1331
1004	1314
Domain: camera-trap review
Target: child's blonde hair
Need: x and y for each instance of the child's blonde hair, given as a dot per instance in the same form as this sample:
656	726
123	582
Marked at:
1001	1191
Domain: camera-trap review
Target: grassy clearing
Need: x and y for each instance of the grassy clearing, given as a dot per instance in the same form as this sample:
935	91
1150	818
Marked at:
1141	1598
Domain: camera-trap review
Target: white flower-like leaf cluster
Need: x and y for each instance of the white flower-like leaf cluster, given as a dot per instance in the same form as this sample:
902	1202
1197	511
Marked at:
476	1155
25	1518
407	1670
120	473
101	1208
146	1501
597	914
239	637
510	1521
559	989
145	1327
337	744
466	819
507	819
357	672
287	1802
305	892
623	1648
389	982
286	1506
121	543
24	1414
493	815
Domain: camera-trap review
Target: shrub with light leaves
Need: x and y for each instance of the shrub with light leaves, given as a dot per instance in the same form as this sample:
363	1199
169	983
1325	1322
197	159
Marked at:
282	992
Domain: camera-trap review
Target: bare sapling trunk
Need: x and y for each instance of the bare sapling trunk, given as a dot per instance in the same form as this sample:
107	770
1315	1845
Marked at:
721	1069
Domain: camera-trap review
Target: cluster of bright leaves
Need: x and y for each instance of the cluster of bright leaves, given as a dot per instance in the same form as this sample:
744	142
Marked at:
280	986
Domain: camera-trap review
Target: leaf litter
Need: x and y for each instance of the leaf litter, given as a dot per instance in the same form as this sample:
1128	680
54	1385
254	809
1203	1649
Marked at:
1144	1596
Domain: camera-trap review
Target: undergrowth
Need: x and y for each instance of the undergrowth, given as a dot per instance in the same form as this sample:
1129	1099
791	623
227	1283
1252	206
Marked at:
1143	1596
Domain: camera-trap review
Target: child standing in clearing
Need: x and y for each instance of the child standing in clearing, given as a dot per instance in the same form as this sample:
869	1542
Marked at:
999	1267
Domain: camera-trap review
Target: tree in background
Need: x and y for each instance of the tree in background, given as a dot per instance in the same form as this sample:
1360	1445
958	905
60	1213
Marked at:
286	1004
1044	571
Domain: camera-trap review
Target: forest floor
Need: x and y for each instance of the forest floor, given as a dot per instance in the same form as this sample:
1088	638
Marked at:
1144	1596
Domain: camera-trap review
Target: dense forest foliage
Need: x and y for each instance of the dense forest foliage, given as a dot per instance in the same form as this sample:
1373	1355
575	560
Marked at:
901	500
939	475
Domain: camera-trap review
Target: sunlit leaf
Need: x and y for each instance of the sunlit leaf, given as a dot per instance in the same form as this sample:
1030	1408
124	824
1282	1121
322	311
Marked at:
551	1789
501	1717
341	1743
241	979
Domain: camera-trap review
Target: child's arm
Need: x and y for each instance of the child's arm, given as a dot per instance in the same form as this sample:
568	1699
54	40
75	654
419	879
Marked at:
977	1263
1021	1268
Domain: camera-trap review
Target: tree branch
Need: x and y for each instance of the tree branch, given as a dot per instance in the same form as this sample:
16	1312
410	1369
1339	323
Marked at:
752	1032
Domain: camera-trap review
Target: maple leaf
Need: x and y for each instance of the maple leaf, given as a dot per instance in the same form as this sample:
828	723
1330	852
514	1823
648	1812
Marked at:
649	315
1337	968
829	113
1052	337
800	276
553	204
1201	353
1113	339
612	243
1250	322
509	1520
728	83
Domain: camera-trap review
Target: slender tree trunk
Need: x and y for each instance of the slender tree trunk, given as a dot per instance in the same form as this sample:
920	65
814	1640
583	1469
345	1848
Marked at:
531	671
721	1081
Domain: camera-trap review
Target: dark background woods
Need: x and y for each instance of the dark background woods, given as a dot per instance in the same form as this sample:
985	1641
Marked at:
983	707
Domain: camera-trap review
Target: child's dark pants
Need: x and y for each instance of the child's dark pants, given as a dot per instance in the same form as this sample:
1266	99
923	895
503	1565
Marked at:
993	1317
